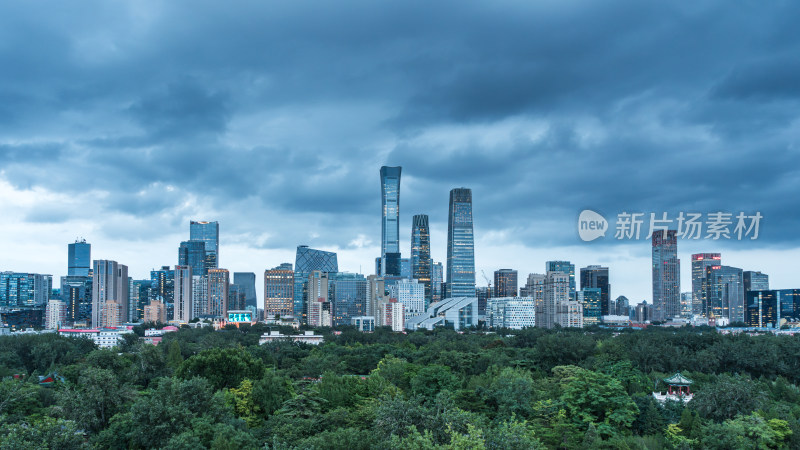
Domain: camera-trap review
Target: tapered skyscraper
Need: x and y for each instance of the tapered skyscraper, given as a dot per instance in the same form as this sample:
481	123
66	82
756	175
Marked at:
390	224
460	245
666	275
208	232
421	253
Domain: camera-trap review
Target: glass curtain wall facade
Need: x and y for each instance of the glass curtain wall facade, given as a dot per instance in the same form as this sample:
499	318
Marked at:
700	261
390	223
460	245
208	232
79	255
421	253
306	261
666	275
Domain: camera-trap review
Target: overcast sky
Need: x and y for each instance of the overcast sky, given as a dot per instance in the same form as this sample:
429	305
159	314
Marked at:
121	121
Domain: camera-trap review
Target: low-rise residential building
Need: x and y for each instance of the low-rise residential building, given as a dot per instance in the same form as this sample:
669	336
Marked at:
103	337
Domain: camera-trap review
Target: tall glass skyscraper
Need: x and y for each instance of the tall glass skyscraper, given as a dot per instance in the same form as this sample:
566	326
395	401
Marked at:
79	259
306	261
193	254
247	280
390	225
724	293
348	293
162	288
699	263
460	245
421	253
755	281
564	267
207	232
596	277
437	279
666	275
505	283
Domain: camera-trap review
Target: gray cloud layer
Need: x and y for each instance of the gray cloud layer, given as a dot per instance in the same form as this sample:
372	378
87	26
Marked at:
276	116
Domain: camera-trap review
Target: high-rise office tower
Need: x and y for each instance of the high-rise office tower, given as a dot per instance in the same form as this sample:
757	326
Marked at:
623	306
596	277
247	280
199	295
138	298
79	258
699	263
319	311
279	291
724	293
193	253
218	283
437	278
666	275
208	232
77	293
556	292
410	293
162	288
755	281
236	297
109	289
460	245
686	304
534	288
183	294
505	283
306	261
421	253
348	294
390	225
55	314
563	267
376	296
773	308
25	289
591	299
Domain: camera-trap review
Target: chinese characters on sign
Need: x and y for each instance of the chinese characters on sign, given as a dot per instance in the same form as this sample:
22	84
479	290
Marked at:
717	225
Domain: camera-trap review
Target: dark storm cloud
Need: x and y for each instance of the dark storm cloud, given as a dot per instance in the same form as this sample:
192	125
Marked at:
277	116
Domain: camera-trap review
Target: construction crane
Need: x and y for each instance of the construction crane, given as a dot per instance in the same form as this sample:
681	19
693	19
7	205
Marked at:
488	282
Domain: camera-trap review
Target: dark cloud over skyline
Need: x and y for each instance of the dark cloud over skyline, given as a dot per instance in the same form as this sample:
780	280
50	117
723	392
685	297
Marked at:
121	122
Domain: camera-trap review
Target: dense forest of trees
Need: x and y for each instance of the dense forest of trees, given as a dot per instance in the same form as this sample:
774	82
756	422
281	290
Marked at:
527	389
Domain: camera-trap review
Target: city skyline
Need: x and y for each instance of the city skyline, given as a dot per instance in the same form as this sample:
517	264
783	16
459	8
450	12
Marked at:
279	137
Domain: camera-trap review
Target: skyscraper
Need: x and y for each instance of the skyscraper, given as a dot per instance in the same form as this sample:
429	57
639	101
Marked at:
666	275
724	293
460	245
437	278
421	253
162	288
218	283
306	261
109	288
348	294
505	283
596	277
279	291
556	292
247	281
77	293
208	232
699	263
25	289
183	294
565	267
390	225
138	298
755	281
79	258
193	253
591	299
